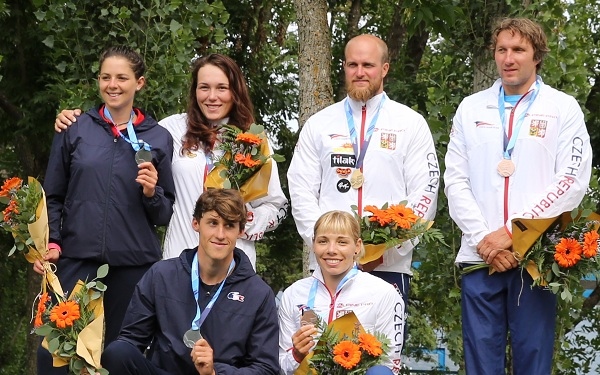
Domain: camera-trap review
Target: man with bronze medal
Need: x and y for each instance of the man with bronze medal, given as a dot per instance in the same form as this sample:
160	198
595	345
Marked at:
519	149
365	150
205	312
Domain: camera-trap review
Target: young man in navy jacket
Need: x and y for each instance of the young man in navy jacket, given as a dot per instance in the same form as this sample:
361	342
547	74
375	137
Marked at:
206	312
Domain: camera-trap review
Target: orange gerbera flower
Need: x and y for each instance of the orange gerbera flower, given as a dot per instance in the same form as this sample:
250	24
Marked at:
381	216
590	244
568	252
10	210
10	185
246	160
65	313
346	354
403	216
370	344
252	139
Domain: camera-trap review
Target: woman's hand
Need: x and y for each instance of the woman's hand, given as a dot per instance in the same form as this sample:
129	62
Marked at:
65	119
51	256
147	177
202	356
303	340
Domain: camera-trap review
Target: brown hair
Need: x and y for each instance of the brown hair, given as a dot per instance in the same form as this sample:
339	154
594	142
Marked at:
340	222
135	59
227	203
528	29
199	133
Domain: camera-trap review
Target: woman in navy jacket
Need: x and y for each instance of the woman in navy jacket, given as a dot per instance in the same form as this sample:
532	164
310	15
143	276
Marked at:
108	186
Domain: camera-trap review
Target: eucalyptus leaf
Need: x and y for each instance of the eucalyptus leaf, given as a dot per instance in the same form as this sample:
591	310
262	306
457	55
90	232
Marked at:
102	271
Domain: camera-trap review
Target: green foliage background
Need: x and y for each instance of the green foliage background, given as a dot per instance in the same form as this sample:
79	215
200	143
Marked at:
48	61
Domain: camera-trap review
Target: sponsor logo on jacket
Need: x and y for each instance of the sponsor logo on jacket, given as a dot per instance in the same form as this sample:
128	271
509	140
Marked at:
235	296
343	160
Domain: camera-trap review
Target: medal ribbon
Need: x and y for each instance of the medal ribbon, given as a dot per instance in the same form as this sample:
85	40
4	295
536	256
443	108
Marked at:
354	137
132	140
509	145
201	316
313	289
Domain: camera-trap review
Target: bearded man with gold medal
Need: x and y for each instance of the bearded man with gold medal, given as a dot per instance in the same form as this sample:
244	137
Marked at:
365	150
519	149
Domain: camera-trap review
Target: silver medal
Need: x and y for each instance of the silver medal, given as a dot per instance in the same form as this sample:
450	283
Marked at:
190	337
142	156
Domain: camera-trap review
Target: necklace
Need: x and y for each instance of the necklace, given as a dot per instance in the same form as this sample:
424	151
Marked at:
209	289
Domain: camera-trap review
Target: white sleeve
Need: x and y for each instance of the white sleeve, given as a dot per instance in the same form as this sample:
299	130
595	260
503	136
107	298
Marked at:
573	169
304	181
390	322
267	212
462	204
289	323
422	173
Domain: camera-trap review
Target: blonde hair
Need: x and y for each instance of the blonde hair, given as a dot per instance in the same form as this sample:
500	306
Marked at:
343	223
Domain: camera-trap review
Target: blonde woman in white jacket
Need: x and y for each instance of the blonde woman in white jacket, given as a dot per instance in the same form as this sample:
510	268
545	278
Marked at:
336	288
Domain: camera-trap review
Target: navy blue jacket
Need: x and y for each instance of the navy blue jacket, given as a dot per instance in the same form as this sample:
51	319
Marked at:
242	327
96	209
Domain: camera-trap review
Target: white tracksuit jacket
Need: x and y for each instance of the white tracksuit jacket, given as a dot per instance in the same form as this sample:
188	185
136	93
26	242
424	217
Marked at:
377	305
400	164
552	156
264	214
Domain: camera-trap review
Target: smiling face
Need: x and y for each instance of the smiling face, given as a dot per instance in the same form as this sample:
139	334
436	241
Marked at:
514	56
335	253
217	237
213	94
118	85
364	67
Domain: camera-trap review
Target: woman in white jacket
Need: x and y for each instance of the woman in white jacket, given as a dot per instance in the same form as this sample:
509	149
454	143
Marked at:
336	288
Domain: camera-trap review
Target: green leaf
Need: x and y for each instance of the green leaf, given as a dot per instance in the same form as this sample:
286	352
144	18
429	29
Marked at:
49	41
43	330
278	158
174	26
39	14
226	184
102	271
53	344
100	286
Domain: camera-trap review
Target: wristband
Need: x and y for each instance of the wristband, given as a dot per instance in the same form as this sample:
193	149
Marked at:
56	246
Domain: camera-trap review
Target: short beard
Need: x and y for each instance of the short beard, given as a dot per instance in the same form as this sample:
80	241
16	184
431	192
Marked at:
361	94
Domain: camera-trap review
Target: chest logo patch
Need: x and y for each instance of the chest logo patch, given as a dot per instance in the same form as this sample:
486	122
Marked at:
537	128
388	141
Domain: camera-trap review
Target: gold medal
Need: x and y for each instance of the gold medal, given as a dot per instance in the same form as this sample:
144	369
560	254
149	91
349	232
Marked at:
357	179
506	168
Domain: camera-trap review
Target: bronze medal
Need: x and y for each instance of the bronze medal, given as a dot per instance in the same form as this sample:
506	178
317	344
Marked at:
357	179
506	168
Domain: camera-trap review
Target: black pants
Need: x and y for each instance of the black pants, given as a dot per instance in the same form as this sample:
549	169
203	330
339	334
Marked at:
120	283
122	358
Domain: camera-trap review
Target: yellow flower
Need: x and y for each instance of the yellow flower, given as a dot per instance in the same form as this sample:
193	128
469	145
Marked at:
65	314
346	354
568	252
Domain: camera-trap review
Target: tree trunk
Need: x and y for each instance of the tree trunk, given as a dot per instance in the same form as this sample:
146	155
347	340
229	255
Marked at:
314	66
352	31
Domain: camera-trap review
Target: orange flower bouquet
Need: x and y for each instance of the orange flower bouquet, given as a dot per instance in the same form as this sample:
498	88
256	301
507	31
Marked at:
390	226
245	163
560	253
73	327
339	353
26	218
